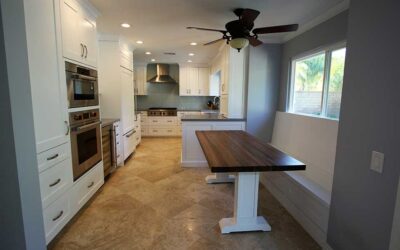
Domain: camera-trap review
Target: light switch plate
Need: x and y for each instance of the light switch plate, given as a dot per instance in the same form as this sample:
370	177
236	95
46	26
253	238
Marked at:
377	160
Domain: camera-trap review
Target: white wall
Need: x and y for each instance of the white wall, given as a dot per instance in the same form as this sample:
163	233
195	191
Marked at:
312	141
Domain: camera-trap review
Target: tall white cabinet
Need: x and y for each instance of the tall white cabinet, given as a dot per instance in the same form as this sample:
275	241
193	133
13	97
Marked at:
231	65
46	56
116	87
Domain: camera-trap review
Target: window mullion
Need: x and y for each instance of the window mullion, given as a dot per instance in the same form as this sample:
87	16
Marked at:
327	69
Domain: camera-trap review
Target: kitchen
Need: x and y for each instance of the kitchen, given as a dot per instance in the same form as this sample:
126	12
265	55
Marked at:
177	129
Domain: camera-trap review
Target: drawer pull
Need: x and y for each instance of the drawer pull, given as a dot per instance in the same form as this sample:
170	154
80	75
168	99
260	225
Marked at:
58	216
118	156
169	121
155	121
155	130
55	183
91	184
117	135
117	143
169	130
52	157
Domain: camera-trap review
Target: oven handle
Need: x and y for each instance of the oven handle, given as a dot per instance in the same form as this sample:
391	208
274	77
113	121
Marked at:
87	126
130	134
83	77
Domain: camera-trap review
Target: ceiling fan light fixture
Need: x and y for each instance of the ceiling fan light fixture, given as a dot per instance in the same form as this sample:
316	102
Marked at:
239	43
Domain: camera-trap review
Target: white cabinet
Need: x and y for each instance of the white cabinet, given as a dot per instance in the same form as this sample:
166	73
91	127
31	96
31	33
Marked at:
204	81
116	87
49	98
78	30
140	80
232	67
194	81
129	143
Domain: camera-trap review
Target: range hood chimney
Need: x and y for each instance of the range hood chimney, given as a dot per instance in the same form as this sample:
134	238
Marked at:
162	74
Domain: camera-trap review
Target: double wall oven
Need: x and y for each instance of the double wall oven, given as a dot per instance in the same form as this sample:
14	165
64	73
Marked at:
85	127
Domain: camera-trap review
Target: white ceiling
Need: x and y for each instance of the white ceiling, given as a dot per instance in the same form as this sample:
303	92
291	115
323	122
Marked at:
161	24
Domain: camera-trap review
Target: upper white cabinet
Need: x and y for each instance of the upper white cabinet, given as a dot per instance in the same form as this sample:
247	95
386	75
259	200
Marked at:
140	80
78	29
230	65
48	88
194	81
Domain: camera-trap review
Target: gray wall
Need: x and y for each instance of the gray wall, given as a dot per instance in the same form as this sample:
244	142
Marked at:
363	201
20	207
263	89
167	95
329	32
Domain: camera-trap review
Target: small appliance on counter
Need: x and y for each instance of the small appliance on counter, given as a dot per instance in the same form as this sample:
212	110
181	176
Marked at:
214	104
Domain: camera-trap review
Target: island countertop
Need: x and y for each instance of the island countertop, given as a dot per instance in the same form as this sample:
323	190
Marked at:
210	117
238	151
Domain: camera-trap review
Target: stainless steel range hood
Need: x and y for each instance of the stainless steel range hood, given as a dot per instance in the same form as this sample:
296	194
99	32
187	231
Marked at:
162	75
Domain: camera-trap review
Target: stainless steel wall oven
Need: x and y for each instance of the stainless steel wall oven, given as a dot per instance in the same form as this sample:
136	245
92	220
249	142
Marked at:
82	86
85	140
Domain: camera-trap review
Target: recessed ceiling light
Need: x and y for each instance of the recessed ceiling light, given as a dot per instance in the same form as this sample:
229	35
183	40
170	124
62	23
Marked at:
125	25
191	54
139	42
189	61
153	60
193	43
148	53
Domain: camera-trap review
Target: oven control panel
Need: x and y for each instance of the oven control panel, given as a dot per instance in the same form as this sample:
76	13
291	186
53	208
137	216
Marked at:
84	116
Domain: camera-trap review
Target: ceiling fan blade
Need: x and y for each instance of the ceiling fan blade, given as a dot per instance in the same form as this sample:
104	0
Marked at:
254	41
212	42
206	29
276	29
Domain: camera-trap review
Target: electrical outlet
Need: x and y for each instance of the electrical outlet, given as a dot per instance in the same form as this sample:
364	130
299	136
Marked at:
377	160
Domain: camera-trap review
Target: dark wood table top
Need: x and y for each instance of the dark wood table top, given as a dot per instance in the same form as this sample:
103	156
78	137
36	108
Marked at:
238	151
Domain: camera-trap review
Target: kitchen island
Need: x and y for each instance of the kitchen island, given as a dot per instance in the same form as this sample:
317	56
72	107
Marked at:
239	152
192	154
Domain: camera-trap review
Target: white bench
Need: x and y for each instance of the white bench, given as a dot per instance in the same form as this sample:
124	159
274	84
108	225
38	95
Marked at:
305	194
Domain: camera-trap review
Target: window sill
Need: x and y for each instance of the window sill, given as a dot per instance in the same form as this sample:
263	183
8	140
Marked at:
314	116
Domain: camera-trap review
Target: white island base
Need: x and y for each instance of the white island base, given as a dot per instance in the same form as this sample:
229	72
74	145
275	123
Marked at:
245	206
220	178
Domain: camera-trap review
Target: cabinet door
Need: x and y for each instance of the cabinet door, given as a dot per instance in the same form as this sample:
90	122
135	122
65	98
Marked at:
71	30
204	81
183	81
194	81
127	102
89	40
48	89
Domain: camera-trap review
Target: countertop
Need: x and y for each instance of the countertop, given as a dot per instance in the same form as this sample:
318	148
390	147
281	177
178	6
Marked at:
190	110
238	151
210	117
108	121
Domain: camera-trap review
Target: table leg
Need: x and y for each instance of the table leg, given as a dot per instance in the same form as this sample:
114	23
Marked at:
220	178
245	211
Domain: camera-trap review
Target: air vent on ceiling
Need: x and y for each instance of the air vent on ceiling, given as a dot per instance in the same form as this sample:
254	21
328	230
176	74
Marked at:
170	53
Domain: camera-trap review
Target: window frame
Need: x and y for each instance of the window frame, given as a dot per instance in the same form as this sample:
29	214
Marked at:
327	51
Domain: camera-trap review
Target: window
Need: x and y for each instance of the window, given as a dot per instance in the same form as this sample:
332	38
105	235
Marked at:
317	82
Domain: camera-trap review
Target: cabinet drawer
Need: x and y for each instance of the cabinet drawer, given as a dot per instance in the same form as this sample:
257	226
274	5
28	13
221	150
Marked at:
162	131
87	185
56	216
129	143
55	180
144	131
167	121
53	156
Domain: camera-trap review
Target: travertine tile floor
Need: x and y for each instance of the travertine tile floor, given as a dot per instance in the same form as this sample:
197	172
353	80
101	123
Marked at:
152	203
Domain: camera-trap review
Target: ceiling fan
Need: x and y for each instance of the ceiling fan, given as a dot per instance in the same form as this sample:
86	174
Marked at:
239	33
